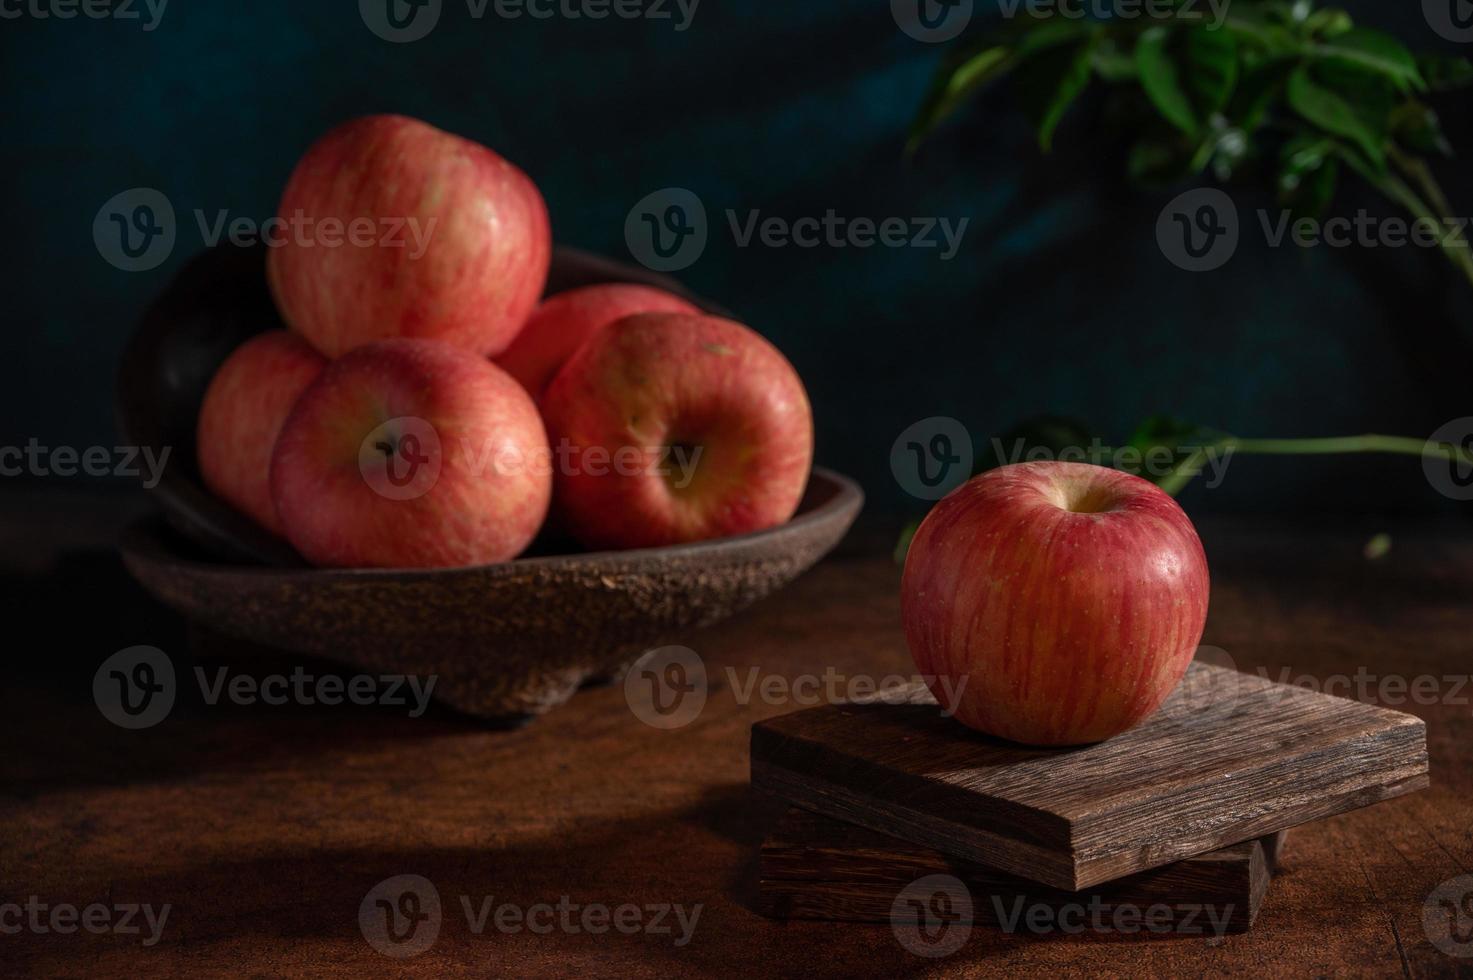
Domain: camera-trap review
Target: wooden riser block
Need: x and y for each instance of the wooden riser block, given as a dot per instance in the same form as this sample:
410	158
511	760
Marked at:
1228	758
815	867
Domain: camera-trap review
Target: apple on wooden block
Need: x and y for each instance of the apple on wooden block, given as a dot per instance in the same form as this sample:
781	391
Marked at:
245	405
672	427
411	454
562	323
1063	600
390	227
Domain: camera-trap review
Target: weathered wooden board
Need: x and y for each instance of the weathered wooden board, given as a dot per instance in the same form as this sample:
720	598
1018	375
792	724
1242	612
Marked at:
1229	757
815	867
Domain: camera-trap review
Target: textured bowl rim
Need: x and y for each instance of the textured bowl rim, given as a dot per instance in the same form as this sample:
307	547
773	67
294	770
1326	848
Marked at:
141	542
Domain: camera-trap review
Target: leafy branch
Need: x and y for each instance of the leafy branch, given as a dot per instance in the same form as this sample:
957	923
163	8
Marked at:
1296	92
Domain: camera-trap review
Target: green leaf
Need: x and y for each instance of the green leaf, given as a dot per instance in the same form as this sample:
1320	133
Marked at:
1415	126
954	85
1054	80
1113	64
1261	34
1328	23
1255	93
1161	434
1162	81
1444	73
1378	547
1308	173
1332	113
1049	436
1157	161
1172	433
902	545
1382	53
1212	65
1051	32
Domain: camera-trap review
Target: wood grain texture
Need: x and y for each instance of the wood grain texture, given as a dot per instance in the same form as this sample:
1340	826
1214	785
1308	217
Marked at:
1228	757
265	826
815	867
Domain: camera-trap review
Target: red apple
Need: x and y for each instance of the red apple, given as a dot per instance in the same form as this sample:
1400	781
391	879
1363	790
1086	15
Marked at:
411	454
390	227
246	403
672	427
563	322
1062	600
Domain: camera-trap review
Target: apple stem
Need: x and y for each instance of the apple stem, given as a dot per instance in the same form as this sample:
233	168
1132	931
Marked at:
1228	445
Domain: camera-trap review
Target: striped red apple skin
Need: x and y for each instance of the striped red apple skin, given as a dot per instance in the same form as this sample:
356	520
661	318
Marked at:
454	242
1065	600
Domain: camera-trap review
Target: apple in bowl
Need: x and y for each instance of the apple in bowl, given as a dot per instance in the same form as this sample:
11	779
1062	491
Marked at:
244	407
564	322
672	427
1054	603
411	454
389	227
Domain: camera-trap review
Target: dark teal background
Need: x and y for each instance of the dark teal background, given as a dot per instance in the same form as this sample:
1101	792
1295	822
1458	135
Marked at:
1059	300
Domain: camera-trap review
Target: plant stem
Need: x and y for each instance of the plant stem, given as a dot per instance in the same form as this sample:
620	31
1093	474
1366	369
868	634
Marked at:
1227	445
1450	240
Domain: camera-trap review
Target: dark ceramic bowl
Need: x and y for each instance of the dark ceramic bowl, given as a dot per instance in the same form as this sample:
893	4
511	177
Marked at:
506	641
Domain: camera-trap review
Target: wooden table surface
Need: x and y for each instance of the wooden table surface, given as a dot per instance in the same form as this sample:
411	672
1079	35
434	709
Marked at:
263	828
